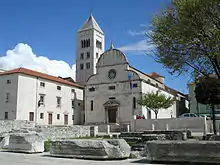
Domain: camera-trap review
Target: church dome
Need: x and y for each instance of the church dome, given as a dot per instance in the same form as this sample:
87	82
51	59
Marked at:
112	57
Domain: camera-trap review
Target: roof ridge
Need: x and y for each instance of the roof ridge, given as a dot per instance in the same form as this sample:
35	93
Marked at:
41	75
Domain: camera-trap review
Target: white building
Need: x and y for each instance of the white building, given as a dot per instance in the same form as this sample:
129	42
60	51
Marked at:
109	98
89	45
38	97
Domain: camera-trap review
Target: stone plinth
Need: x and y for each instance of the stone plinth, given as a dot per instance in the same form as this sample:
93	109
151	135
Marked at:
183	151
91	149
26	143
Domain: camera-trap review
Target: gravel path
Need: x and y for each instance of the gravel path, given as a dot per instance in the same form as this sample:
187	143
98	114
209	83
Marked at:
41	159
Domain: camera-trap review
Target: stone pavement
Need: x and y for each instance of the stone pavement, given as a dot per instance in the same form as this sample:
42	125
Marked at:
40	159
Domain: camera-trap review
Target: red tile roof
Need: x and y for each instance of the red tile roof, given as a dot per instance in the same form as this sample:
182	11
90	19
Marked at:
41	75
153	74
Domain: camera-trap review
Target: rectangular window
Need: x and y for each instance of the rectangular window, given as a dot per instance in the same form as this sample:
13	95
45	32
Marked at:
65	119
59	88
82	56
31	116
6	115
42	99
135	85
58	116
8	81
72	90
97	55
81	66
88	55
72	117
91	105
111	87
41	115
7	97
87	65
91	89
42	84
134	102
59	102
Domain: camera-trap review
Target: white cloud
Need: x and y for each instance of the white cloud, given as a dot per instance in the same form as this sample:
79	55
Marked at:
23	56
136	33
142	46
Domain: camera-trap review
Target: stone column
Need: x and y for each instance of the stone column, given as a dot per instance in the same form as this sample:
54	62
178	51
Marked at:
108	129
128	128
167	127
153	127
205	127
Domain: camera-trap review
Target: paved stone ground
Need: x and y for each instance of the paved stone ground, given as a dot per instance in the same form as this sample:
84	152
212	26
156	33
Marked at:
41	159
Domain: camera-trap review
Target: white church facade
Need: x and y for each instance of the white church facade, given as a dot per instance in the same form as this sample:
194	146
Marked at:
110	97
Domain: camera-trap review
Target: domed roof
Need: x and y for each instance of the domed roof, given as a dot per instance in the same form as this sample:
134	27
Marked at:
112	57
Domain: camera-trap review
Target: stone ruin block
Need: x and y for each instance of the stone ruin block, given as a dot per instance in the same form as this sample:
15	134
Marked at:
25	143
183	151
91	148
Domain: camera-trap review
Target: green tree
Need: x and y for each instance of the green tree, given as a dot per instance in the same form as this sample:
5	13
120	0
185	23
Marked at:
156	101
186	36
207	91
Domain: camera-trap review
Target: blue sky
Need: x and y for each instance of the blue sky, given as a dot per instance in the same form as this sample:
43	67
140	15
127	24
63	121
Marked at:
49	29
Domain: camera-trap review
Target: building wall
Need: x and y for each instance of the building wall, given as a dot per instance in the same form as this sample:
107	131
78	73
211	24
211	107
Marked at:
11	89
29	88
163	113
194	107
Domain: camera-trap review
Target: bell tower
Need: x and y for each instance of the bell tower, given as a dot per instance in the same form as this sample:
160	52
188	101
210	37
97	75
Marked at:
89	46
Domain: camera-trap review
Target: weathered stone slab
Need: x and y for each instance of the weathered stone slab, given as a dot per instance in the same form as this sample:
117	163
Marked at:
91	149
26	143
172	135
183	151
4	142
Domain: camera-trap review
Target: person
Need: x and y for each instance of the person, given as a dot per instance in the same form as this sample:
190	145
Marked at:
143	117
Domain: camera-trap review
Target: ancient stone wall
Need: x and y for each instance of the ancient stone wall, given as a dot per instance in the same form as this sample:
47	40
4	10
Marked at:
8	125
48	132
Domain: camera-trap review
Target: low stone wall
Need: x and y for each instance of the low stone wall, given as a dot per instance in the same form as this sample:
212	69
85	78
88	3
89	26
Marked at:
193	124
183	151
8	125
47	132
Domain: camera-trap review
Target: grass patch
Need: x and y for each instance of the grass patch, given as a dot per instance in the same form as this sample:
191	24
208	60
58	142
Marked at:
132	156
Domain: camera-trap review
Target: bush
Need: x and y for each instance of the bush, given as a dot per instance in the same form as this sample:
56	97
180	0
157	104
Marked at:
47	146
